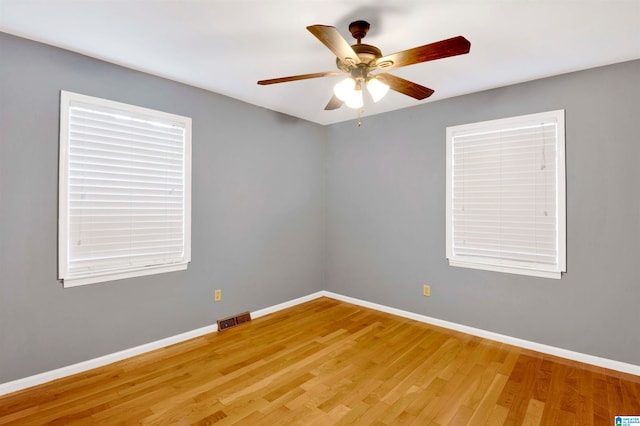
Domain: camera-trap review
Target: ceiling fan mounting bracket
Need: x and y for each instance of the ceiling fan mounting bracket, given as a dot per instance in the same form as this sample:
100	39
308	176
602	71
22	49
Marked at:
359	29
367	53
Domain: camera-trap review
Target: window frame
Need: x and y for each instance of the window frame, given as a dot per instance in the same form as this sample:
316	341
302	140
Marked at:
70	279
500	264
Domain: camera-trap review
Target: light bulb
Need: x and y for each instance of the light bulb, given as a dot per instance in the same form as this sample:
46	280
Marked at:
344	89
377	89
355	100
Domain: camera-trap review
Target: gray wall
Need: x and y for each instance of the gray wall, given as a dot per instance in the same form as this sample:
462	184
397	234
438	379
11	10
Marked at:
386	216
266	230
258	214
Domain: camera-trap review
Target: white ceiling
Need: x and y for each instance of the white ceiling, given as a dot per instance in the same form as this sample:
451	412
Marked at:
225	46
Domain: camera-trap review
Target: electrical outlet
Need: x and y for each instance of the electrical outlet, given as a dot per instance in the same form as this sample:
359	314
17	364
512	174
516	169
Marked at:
217	295
426	290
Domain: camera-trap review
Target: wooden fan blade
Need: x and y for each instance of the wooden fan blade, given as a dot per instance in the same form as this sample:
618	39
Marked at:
405	87
429	52
334	103
331	38
298	77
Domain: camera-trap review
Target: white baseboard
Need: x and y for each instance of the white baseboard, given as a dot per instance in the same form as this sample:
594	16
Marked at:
48	376
59	373
539	347
284	305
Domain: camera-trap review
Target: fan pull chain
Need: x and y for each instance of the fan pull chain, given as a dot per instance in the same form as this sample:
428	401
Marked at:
360	111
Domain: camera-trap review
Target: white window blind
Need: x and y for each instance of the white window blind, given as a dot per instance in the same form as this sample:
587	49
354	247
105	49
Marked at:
505	195
124	191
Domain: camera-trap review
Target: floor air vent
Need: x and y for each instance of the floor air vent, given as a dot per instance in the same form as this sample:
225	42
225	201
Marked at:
244	317
229	322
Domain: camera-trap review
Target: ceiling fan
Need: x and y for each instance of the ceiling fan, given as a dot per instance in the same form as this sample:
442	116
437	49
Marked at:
361	61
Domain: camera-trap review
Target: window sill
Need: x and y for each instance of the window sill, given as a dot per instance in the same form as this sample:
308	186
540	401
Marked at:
112	276
506	269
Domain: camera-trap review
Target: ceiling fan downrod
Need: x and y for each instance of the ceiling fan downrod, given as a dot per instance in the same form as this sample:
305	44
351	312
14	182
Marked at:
359	29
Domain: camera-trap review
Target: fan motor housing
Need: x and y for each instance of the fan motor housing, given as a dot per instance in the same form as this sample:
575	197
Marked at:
366	53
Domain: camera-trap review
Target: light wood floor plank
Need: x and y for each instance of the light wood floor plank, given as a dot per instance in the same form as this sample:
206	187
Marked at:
327	362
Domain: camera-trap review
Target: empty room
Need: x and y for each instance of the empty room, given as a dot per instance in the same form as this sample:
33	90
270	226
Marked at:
319	212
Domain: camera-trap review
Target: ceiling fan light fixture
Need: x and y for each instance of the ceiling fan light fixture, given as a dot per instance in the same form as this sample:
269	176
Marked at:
377	89
355	99
344	89
349	91
360	60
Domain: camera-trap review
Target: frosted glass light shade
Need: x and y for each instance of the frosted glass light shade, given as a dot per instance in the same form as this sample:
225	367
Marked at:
355	100
344	89
377	89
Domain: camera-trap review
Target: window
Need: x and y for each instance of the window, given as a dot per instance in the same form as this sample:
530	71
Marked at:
506	195
124	191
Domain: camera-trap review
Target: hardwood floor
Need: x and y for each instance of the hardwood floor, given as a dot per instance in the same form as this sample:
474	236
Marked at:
327	362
